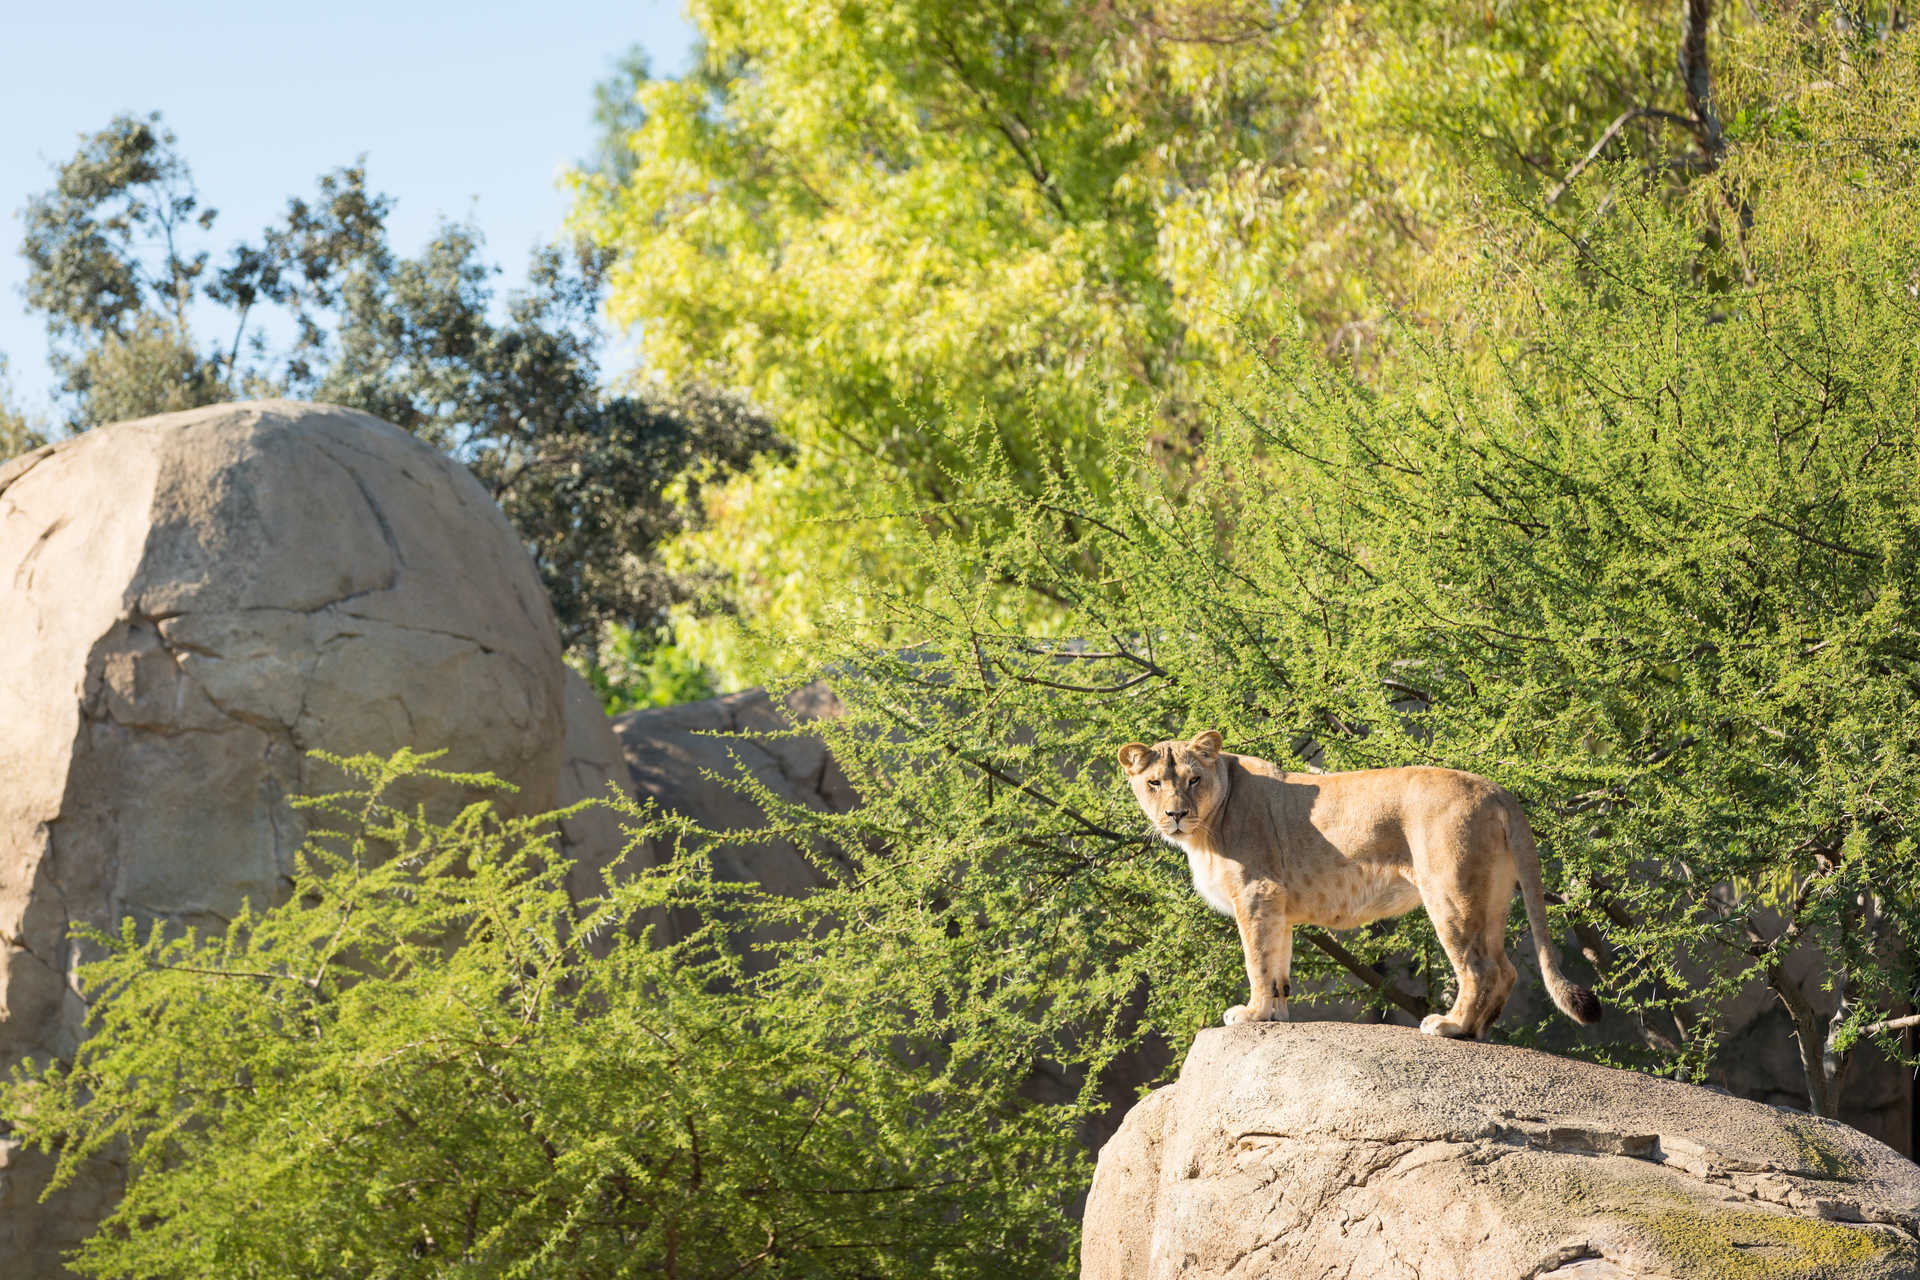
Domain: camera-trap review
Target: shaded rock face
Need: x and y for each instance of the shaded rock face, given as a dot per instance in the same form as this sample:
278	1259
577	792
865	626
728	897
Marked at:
188	605
1323	1149
593	768
679	757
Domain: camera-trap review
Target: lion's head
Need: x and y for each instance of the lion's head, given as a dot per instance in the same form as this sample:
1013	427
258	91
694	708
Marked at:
1180	785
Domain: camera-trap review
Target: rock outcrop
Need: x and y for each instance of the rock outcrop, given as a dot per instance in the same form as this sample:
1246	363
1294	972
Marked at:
1329	1149
192	603
691	758
594	769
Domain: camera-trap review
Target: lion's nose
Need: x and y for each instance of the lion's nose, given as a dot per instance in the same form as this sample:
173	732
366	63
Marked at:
1177	814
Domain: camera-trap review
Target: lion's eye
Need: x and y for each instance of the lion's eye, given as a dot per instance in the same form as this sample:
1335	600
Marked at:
1153	784
1193	783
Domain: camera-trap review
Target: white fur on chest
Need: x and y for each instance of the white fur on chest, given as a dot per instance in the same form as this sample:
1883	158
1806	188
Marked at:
1208	880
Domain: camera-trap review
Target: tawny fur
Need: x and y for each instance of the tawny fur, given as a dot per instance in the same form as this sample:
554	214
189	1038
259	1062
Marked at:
1274	849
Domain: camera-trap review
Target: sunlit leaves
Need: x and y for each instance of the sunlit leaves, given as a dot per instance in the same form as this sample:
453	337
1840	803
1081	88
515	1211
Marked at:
876	217
431	1062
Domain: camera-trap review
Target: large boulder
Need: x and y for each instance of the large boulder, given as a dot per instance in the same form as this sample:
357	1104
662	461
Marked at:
193	603
1330	1149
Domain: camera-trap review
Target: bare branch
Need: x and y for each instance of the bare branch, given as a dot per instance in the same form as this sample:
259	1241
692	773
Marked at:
1891	1024
1380	982
1701	121
1611	132
1804	536
1080	688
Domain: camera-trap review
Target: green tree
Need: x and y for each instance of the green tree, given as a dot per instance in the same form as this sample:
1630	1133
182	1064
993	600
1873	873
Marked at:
120	268
1057	214
111	267
433	1064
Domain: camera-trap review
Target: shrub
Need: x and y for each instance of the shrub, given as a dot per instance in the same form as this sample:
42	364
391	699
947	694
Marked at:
428	1062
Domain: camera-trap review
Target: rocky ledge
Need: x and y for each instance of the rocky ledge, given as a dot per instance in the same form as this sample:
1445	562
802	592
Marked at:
1334	1150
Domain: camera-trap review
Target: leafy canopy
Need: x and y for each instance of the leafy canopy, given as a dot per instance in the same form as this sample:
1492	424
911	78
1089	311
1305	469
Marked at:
870	217
1649	563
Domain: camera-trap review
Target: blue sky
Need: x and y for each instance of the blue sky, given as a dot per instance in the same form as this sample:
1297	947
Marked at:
462	109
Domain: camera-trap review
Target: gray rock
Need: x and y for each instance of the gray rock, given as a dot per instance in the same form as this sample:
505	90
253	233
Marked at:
691	758
1324	1149
595	769
192	603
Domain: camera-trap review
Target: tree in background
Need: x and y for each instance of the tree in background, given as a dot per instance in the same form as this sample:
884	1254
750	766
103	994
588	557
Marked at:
17	434
593	481
109	267
876	220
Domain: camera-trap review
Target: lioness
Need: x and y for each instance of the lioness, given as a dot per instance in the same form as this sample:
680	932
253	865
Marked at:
1274	849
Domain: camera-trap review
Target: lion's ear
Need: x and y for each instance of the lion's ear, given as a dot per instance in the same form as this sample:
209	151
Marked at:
1135	756
1206	745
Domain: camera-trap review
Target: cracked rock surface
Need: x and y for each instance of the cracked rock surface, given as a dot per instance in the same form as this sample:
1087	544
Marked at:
188	605
1337	1150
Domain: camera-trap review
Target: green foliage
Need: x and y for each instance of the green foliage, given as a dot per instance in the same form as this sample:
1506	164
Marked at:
89	240
617	113
1652	567
151	368
592	482
119	266
17	434
632	672
1055	214
110	267
429	1062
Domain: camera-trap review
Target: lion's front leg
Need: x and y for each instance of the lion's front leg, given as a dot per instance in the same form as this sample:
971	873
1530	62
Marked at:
1266	940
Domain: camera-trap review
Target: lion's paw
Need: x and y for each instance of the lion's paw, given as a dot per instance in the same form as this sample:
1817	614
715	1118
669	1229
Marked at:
1239	1013
1438	1024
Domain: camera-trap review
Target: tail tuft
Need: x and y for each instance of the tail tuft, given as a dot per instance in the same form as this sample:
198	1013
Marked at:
1576	1002
1581	1006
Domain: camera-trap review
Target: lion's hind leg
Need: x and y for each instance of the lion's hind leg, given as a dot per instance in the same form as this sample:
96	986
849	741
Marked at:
1471	925
1476	978
1494	942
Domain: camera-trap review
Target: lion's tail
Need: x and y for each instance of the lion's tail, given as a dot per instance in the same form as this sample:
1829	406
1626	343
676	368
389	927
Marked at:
1576	1002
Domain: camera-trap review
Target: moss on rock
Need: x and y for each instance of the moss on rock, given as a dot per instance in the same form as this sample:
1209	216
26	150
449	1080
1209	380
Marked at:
1758	1244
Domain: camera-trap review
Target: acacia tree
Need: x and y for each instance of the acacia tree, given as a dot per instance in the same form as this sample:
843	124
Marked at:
429	1061
120	266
